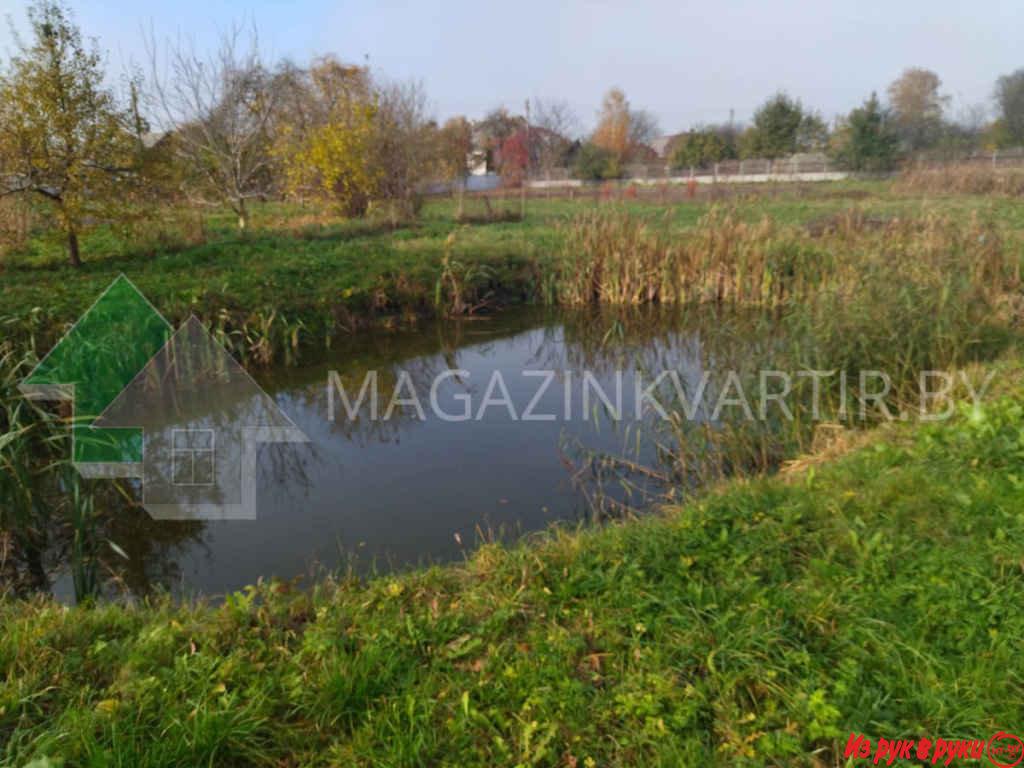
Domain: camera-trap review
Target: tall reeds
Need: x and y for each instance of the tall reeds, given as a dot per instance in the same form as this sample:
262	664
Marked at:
615	257
33	446
858	294
963	178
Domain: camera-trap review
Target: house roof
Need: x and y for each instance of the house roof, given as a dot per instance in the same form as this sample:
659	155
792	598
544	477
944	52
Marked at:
153	138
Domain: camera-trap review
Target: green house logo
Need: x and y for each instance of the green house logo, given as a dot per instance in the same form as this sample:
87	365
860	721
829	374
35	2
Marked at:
171	407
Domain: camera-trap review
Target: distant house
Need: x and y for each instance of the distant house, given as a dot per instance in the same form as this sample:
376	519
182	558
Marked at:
154	139
490	155
479	156
476	161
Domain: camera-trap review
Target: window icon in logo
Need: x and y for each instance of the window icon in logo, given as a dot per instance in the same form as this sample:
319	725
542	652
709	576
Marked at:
192	456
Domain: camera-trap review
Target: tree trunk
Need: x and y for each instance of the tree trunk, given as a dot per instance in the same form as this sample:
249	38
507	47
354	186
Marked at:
73	254
243	216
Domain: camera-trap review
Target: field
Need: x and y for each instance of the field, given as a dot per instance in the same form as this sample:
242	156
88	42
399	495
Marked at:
303	275
869	585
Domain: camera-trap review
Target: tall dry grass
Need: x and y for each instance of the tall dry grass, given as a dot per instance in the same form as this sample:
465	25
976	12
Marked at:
848	295
963	178
612	256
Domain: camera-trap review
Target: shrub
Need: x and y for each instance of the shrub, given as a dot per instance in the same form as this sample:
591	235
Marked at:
596	164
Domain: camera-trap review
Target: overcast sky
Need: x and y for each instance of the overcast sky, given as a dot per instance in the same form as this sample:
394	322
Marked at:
686	62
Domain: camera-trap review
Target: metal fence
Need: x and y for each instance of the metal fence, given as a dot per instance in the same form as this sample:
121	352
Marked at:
1000	158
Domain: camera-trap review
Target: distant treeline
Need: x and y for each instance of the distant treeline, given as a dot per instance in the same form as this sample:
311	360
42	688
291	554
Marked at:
226	128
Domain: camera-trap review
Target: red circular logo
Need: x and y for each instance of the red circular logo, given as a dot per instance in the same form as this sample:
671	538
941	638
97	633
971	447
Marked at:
1005	750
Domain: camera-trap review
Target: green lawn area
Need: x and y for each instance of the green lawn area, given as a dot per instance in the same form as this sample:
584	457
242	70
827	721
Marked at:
877	593
310	274
319	277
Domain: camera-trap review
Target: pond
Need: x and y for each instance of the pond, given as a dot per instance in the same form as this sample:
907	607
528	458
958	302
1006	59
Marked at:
501	426
423	443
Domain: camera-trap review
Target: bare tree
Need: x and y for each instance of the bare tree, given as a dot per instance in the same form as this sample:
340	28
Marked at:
403	145
218	109
973	117
454	145
558	126
643	127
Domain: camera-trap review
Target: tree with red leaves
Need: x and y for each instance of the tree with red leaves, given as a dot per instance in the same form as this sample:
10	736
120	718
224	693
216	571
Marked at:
515	156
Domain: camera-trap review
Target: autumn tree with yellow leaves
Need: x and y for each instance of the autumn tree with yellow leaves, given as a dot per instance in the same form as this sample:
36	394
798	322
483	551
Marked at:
63	138
612	132
325	134
621	130
455	143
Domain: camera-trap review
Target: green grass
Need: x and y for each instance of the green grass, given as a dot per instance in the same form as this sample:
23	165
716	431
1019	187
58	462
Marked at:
322	280
312	281
877	593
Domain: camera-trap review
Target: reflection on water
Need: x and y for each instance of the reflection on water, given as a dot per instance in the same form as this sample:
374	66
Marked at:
388	493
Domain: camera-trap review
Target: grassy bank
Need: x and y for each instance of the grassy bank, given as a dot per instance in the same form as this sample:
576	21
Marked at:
875	593
284	287
302	278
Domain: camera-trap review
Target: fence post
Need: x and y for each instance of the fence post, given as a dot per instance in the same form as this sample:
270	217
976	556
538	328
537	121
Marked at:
714	173
995	153
741	168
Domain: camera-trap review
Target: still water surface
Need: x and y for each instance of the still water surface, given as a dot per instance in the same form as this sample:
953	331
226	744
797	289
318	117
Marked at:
385	494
